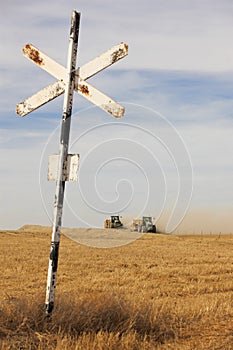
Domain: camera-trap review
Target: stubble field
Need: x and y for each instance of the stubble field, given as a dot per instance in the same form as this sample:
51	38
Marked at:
159	292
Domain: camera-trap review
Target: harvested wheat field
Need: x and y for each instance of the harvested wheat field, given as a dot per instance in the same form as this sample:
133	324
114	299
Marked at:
159	292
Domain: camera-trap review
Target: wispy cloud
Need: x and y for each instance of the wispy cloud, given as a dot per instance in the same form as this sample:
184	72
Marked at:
180	64
164	35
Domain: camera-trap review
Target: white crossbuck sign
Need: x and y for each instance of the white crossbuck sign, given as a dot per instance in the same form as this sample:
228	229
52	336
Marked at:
81	74
64	166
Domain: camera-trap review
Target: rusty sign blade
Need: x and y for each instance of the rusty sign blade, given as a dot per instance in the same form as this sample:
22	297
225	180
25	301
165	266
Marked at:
81	74
101	100
89	69
103	61
40	98
44	61
85	89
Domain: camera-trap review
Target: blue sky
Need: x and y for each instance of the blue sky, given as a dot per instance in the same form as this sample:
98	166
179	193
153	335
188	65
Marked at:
176	83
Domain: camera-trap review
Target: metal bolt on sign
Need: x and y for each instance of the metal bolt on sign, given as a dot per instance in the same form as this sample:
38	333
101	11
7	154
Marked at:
64	166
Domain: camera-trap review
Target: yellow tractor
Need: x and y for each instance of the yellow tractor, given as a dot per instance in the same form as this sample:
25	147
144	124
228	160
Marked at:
114	222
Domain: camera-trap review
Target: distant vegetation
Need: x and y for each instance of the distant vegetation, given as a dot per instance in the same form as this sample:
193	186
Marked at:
160	292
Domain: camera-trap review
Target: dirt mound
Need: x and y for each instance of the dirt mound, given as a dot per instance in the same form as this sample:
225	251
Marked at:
101	238
35	229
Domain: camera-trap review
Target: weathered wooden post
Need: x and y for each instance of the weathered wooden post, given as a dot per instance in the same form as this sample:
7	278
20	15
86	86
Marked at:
63	153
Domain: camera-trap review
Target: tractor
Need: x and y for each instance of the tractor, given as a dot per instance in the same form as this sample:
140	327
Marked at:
114	222
143	225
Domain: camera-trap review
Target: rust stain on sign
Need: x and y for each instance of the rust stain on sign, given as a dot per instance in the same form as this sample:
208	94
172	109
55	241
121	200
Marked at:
114	109
84	89
120	53
33	54
22	106
126	47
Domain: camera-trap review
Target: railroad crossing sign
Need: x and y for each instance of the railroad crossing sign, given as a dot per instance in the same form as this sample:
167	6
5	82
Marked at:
63	167
81	74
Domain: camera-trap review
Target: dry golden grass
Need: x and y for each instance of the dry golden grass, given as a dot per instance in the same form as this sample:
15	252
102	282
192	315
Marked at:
159	292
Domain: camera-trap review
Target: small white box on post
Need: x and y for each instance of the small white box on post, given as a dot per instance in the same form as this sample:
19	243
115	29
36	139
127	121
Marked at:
70	171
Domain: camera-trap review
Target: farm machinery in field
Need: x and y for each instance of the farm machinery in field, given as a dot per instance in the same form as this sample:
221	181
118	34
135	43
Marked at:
143	225
113	222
